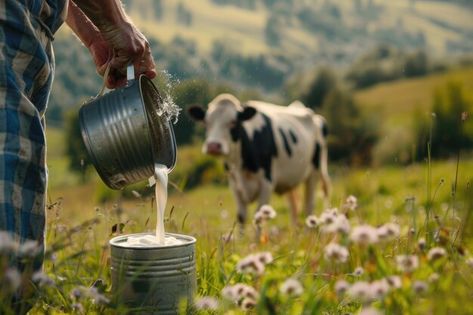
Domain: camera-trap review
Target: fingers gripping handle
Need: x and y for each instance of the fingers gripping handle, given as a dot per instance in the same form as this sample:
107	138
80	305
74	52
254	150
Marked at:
130	74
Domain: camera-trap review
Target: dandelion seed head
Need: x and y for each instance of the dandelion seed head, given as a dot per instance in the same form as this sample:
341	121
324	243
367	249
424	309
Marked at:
420	287
394	282
341	287
42	279
469	262
407	263
421	243
29	249
7	243
434	277
358	271
13	277
268	212
328	217
339	225
291	287
436	253
351	203
265	257
364	235
370	311
336	253
389	231
361	290
206	303
247	304
312	221
379	288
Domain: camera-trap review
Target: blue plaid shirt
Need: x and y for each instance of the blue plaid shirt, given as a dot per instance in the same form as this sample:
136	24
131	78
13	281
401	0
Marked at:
26	74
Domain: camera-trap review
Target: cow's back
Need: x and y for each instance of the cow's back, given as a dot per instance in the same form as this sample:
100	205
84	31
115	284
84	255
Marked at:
294	134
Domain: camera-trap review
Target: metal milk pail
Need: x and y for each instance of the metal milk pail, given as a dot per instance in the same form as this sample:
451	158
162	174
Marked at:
126	133
153	280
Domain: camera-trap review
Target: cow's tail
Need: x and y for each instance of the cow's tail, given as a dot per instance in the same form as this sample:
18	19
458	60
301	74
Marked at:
320	156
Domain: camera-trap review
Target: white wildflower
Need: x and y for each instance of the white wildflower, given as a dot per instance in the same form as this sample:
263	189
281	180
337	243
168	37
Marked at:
206	303
328	216
407	263
312	221
268	212
379	288
41	279
78	308
358	271
361	290
364	234
13	278
434	277
258	219
239	291
339	225
388	231
469	262
264	257
370	311
250	265
247	304
421	243
29	248
351	203
291	287
419	287
335	252
254	263
341	286
436	253
7	243
394	282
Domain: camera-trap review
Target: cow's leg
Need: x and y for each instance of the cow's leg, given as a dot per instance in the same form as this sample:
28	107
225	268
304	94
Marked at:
292	199
309	193
240	202
326	185
266	188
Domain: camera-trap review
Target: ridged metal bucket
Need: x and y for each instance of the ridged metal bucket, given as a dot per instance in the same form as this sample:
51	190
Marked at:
153	280
125	136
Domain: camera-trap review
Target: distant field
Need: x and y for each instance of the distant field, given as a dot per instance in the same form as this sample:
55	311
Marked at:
396	102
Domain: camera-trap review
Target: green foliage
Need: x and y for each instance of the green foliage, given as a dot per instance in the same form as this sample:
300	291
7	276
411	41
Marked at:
452	131
75	148
324	82
184	16
352	134
386	63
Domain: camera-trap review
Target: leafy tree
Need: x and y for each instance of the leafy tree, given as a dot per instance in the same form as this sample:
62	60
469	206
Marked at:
451	130
75	148
324	82
352	134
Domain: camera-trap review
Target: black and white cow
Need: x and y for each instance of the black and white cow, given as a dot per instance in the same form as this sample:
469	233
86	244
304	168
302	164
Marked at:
266	148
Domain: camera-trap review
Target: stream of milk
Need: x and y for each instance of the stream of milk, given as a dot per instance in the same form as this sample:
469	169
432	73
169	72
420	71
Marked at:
159	239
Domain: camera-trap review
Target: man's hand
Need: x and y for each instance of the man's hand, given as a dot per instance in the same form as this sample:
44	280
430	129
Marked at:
129	46
118	35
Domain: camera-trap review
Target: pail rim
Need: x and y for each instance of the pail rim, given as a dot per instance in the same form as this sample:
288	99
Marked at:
188	240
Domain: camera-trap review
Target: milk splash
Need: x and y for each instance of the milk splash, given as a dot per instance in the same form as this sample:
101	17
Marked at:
160	180
169	108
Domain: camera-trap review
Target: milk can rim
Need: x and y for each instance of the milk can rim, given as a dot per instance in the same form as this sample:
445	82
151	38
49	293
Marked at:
189	240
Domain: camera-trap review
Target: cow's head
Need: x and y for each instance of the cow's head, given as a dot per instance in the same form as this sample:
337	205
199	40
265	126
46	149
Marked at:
223	116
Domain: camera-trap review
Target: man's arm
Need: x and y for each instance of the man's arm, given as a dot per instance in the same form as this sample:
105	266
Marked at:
128	44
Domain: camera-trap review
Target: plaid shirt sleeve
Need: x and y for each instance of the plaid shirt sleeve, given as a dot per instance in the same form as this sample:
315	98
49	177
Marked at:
26	74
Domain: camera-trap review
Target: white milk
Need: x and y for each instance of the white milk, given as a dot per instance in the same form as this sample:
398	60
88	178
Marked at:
161	177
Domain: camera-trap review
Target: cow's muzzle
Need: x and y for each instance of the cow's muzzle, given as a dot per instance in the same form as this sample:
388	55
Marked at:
214	148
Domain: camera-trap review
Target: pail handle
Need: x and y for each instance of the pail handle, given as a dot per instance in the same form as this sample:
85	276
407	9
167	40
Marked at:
130	76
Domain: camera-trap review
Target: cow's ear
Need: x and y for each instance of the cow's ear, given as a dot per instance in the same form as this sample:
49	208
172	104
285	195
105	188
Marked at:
247	113
196	112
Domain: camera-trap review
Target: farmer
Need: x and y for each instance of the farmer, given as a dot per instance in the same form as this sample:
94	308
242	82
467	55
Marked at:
27	30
